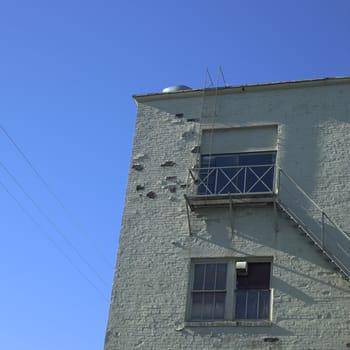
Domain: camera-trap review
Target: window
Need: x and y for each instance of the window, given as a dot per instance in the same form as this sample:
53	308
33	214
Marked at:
231	290
241	173
209	291
253	292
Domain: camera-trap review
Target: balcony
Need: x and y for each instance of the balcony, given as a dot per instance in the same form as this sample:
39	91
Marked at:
227	185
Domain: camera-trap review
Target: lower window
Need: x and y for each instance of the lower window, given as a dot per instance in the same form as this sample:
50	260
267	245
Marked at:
230	290
209	291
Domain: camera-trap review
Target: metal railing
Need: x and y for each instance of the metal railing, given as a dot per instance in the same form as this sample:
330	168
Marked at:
239	180
269	179
310	218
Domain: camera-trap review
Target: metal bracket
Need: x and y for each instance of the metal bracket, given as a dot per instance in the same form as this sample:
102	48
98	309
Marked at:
188	215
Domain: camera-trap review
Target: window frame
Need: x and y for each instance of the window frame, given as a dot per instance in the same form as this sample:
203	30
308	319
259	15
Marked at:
230	299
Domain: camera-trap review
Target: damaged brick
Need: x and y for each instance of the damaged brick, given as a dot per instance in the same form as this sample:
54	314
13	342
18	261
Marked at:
168	163
179	115
140	187
171	178
195	149
151	195
139	157
177	121
193	120
172	189
137	167
271	340
188	134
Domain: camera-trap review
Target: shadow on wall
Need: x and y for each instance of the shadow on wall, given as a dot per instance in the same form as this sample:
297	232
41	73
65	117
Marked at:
255	234
255	231
229	334
288	289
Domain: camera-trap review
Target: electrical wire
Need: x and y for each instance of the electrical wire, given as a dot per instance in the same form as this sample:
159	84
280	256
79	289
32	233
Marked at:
76	225
53	224
82	274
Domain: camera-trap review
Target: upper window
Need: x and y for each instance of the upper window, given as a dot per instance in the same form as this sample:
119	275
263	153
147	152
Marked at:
241	173
218	293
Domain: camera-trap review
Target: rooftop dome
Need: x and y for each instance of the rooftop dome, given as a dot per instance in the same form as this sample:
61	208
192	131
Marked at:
176	88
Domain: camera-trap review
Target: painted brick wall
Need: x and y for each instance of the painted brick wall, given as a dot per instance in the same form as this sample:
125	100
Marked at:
311	303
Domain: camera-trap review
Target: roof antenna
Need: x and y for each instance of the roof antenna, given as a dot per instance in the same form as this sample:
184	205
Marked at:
210	78
222	75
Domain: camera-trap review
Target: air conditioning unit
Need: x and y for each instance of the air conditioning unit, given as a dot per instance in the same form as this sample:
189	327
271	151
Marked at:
241	268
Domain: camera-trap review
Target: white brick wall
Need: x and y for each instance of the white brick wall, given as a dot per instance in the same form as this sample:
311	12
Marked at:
311	303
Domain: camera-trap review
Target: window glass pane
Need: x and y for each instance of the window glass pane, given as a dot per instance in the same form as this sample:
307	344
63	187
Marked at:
227	160
252	309
208	161
241	302
264	304
197	300
208	306
209	283
259	275
221	276
257	158
219	309
198	276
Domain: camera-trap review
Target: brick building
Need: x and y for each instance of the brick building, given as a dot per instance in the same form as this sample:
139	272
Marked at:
235	225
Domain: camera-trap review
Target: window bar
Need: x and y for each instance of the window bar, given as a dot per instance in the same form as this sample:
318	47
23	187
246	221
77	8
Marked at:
204	278
214	298
229	181
246	304
245	179
202	308
257	305
205	181
260	179
216	180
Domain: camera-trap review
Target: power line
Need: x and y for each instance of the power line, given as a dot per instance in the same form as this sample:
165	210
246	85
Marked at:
54	195
53	224
82	274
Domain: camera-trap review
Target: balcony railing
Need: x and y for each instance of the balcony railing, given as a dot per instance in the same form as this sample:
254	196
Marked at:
235	180
217	186
311	219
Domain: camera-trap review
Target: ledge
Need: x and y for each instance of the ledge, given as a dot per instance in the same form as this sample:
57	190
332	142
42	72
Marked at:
240	323
225	200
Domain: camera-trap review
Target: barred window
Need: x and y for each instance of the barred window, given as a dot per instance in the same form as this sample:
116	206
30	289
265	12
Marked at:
241	173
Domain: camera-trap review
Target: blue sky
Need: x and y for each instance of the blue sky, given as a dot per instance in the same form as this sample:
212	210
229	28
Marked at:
67	73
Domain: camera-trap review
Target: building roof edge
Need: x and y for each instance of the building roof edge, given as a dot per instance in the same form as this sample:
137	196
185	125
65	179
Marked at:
242	88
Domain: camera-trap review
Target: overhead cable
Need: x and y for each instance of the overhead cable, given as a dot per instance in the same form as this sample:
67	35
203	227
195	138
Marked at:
53	224
55	196
70	261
